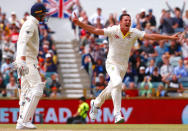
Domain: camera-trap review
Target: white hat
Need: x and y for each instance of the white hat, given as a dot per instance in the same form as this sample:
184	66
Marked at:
51	52
142	68
105	41
123	9
6	57
48	55
13	13
142	10
101	74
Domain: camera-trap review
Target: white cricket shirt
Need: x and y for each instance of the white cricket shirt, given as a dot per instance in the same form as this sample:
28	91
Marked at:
120	45
28	41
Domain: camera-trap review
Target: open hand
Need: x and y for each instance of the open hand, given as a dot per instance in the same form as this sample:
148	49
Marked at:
182	36
75	19
176	36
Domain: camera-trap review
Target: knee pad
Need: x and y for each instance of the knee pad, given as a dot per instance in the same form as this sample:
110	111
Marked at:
31	102
37	89
117	82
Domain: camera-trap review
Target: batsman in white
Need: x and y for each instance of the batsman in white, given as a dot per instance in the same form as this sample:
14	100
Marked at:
121	39
26	62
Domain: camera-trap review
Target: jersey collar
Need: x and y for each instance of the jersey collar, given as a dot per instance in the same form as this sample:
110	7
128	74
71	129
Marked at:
34	19
127	34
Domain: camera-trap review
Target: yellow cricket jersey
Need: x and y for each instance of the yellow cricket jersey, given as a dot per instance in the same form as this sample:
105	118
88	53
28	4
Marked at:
83	109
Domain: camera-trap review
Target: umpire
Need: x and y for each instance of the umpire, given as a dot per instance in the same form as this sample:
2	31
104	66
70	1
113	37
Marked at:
80	116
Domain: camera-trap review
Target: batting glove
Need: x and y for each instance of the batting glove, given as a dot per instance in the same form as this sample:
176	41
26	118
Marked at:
22	68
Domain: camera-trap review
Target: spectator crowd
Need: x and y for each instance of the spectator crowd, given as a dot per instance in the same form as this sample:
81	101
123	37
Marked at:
155	68
47	59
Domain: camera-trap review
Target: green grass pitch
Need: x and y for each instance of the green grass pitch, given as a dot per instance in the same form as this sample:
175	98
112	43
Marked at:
102	127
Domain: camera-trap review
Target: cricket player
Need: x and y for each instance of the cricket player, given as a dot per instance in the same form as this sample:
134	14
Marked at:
121	39
26	62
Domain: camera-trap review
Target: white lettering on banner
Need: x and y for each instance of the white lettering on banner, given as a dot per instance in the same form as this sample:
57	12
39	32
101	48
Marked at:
64	114
37	114
184	115
14	114
107	115
99	116
51	115
127	113
87	119
4	115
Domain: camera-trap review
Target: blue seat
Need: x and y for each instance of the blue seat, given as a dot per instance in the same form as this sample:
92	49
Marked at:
183	79
156	84
48	74
185	84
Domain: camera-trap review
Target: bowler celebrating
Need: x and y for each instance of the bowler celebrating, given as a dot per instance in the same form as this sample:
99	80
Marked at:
121	39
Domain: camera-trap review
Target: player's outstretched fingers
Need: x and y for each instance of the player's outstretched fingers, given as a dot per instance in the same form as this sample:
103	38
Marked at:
75	18
177	34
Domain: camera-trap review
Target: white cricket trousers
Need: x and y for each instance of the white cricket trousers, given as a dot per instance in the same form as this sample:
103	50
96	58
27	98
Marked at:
31	91
114	88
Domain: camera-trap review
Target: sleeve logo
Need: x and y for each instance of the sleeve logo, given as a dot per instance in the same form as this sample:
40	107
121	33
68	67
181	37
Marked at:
116	36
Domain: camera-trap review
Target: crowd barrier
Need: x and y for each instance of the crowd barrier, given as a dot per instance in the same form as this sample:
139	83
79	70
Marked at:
135	111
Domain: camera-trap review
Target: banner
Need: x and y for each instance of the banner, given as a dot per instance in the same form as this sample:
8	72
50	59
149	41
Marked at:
134	111
58	8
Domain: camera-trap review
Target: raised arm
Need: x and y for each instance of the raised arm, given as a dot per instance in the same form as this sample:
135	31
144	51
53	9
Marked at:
169	7
183	8
161	37
87	27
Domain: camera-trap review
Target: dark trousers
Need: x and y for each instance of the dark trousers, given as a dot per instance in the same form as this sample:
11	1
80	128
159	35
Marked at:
76	120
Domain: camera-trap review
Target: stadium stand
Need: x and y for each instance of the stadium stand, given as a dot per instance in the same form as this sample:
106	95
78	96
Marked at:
158	61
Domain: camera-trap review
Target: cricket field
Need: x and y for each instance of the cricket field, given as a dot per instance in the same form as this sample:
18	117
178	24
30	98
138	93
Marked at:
102	127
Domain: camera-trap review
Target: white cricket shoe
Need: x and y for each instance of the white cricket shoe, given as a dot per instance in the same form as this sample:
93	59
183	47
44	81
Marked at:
27	125
119	118
93	111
